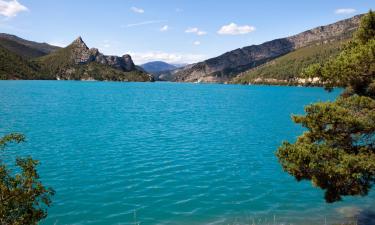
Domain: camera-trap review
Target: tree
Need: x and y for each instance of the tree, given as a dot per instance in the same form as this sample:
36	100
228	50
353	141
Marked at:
24	199
337	151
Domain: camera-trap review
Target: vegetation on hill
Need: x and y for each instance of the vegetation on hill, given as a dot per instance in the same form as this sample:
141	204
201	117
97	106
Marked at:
290	66
20	49
24	199
25	48
93	70
13	66
337	152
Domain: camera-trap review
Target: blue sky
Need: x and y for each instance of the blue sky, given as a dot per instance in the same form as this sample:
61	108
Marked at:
176	31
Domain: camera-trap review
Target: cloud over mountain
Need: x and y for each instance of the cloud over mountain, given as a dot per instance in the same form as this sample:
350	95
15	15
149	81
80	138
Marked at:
345	11
234	29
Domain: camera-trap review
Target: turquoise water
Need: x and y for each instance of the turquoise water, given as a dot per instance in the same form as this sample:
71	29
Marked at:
166	153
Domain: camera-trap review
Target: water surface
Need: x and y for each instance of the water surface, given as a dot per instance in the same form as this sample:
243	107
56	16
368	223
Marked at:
166	153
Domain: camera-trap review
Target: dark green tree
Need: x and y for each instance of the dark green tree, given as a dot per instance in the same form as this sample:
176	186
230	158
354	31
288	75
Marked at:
24	200
337	150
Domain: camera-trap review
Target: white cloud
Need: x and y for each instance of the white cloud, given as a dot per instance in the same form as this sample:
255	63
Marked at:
164	28
144	23
195	30
200	33
196	43
191	30
234	29
143	57
345	11
11	8
137	10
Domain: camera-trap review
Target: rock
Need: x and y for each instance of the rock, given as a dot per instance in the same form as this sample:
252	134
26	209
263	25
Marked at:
81	54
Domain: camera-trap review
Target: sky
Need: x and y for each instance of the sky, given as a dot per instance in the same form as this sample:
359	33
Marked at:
175	31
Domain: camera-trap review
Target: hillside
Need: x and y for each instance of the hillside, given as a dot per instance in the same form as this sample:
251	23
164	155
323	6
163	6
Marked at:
227	66
25	48
287	68
13	66
78	62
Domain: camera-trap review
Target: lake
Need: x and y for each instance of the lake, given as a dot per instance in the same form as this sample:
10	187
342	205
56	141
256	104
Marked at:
166	153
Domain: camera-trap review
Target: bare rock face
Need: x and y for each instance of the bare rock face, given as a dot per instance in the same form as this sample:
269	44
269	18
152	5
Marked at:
340	29
81	54
124	63
128	62
224	67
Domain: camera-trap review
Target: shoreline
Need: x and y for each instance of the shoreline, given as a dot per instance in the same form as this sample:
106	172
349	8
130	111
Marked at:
292	84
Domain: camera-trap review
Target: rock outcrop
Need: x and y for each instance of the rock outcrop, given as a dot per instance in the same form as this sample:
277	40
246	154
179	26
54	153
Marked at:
228	65
81	54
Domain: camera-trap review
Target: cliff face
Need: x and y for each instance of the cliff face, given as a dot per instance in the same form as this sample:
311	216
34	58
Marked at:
81	54
339	30
228	65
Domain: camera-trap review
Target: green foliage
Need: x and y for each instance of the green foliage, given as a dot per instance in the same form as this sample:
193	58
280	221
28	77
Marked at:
337	152
291	65
24	199
353	68
22	50
14	137
366	30
13	66
57	60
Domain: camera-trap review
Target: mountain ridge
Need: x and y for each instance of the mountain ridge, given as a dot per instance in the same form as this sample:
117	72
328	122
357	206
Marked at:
25	48
224	67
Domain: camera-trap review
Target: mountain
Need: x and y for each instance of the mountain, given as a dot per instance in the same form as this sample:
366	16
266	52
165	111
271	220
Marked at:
227	66
157	66
26	49
78	62
179	65
28	60
162	71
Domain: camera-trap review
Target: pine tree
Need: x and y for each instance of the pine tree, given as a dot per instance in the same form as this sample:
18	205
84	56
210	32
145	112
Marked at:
24	200
337	151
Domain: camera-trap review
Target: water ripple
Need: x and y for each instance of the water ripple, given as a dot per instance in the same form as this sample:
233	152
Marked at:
162	153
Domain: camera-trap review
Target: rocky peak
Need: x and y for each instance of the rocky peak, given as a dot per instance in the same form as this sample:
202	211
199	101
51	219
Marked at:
79	43
81	54
80	51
